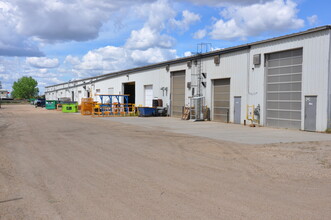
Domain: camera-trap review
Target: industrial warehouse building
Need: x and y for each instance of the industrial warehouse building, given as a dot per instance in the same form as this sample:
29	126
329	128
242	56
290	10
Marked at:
286	79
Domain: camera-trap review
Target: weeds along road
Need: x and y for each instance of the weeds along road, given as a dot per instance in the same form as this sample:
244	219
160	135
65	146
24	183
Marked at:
67	166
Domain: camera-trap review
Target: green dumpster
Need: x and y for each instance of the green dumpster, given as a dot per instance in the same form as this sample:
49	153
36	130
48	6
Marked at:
32	101
70	107
51	104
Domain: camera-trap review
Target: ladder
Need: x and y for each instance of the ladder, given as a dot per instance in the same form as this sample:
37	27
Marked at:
197	99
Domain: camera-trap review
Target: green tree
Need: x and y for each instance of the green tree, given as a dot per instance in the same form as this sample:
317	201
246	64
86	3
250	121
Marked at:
25	88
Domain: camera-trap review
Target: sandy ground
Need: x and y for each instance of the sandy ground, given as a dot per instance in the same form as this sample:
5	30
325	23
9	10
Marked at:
66	166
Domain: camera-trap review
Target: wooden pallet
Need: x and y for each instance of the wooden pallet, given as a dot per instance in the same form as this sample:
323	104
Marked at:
186	114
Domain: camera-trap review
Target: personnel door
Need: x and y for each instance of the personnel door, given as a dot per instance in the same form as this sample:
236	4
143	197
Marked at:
237	110
310	113
149	96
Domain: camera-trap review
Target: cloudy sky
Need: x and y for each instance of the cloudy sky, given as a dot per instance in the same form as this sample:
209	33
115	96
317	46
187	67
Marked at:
59	40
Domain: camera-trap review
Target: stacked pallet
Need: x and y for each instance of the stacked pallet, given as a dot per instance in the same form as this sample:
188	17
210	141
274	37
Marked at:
186	113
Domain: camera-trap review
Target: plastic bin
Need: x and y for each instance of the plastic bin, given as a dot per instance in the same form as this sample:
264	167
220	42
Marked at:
146	111
51	104
69	107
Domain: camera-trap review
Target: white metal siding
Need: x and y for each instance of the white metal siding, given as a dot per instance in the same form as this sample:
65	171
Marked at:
314	72
232	65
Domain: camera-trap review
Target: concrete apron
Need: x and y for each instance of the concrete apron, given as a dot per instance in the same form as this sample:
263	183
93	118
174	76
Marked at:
222	131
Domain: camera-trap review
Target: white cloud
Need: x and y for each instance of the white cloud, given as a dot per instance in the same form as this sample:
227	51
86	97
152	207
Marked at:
42	73
160	15
183	25
62	20
219	3
42	62
109	59
244	21
27	24
103	59
157	15
11	42
52	80
313	20
72	60
200	34
152	55
17	67
188	54
5	76
147	37
2	68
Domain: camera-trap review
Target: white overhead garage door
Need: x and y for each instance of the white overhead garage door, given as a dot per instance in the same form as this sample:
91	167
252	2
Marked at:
177	93
149	96
284	82
221	103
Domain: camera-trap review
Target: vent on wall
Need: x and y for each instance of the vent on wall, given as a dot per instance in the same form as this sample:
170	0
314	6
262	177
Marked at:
257	59
189	64
217	60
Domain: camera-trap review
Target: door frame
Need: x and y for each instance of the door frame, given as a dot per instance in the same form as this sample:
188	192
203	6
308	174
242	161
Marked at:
145	94
234	109
305	112
171	96
213	97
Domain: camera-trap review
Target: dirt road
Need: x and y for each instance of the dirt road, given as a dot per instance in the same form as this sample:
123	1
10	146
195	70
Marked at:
66	166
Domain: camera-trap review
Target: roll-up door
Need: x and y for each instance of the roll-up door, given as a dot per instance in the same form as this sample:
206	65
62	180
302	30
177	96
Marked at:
221	103
284	87
177	93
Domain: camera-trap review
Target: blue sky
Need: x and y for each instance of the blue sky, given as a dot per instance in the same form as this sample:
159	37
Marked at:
59	40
